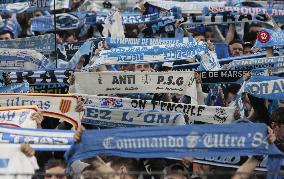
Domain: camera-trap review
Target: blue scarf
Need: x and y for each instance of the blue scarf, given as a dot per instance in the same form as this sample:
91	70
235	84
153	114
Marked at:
39	139
268	87
126	42
269	38
20	7
75	20
15	88
41	43
149	54
175	141
249	64
194	66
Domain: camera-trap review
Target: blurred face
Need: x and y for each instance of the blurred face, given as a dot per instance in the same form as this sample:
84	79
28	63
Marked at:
136	67
236	49
200	38
55	173
247	51
142	67
209	36
6	36
230	97
174	176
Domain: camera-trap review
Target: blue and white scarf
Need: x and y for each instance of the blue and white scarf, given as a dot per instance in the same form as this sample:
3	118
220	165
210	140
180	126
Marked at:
60	4
130	118
243	10
194	66
20	7
21	59
204	140
149	54
269	38
75	20
41	43
39	139
256	63
15	88
214	19
268	87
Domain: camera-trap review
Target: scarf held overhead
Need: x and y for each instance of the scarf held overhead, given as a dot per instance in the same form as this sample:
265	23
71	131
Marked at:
174	141
203	113
53	105
39	139
149	54
268	87
19	116
135	82
129	118
269	38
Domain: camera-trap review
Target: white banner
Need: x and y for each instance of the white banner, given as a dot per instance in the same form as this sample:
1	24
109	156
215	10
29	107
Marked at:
19	116
129	118
93	83
14	164
186	7
61	106
203	113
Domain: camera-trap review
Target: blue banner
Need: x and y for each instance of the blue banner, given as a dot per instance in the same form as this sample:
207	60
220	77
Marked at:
41	43
204	140
74	20
15	88
269	38
268	87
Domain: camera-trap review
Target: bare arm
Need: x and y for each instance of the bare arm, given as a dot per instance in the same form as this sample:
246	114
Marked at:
246	169
231	33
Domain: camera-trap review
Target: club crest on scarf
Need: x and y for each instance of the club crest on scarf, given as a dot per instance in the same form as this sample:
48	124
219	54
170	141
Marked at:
65	105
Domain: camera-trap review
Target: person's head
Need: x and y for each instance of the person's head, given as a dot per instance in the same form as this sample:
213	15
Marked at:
38	13
247	48
68	36
136	67
277	125
175	171
131	31
231	92
127	168
236	48
209	35
277	118
198	36
6	35
89	172
55	169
